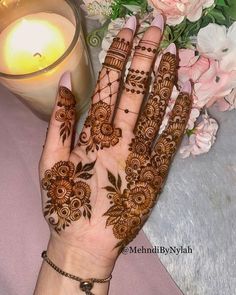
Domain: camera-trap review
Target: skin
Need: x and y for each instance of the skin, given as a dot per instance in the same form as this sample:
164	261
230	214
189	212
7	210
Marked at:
88	247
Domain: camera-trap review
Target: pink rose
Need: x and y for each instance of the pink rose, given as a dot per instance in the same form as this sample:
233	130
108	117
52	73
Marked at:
202	138
177	10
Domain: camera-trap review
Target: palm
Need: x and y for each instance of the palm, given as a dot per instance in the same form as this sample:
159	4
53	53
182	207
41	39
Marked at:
98	196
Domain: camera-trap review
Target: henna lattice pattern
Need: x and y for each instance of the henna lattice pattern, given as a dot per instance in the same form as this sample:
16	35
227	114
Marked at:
102	132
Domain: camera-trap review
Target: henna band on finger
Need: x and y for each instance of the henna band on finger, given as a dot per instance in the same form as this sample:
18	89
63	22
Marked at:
117	54
136	81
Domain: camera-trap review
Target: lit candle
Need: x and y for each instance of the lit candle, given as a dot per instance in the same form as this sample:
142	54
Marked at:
33	43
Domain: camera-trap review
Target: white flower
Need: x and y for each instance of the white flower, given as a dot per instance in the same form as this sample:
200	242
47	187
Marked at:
228	103
202	139
219	43
98	10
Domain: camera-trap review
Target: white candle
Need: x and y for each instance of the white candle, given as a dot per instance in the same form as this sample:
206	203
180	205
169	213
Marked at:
33	43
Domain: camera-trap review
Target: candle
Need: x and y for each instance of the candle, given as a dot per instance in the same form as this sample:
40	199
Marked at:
35	42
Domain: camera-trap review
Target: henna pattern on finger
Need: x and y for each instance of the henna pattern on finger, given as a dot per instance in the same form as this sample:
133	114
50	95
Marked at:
117	54
69	195
66	113
136	81
102	132
146	49
171	137
145	175
149	123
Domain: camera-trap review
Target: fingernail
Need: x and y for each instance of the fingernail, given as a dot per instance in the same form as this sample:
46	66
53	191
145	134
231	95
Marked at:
158	22
131	24
65	80
171	48
187	87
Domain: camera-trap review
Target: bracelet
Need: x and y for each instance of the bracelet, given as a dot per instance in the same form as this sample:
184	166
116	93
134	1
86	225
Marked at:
85	285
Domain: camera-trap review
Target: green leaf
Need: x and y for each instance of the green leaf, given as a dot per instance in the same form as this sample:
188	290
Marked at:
218	16
133	8
222	3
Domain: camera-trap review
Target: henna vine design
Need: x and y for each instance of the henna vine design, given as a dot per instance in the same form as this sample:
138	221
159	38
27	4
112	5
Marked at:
66	114
145	170
102	132
69	195
136	81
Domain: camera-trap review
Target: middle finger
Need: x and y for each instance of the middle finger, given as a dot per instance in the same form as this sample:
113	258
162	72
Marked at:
138	77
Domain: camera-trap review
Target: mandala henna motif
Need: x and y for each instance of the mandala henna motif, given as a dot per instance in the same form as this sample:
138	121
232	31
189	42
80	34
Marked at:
69	195
145	171
102	132
66	113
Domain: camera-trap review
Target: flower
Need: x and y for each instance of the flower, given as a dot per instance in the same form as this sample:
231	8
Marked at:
228	103
214	84
98	10
222	48
202	138
211	82
177	10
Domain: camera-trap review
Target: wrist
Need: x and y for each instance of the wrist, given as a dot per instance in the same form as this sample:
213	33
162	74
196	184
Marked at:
78	261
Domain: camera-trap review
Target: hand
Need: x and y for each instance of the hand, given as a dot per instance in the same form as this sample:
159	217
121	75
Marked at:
98	194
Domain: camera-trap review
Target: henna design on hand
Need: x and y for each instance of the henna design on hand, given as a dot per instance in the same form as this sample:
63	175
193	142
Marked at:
66	114
102	132
117	54
145	170
69	196
136	81
146	49
151	118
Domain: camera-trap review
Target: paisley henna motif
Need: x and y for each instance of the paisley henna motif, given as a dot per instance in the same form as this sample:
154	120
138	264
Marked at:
66	113
102	132
145	170
69	195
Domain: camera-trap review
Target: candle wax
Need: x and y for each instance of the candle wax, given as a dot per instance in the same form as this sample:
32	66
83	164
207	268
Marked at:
34	42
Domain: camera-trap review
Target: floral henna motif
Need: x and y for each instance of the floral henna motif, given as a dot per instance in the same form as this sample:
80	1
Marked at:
102	132
151	118
69	195
145	176
66	113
